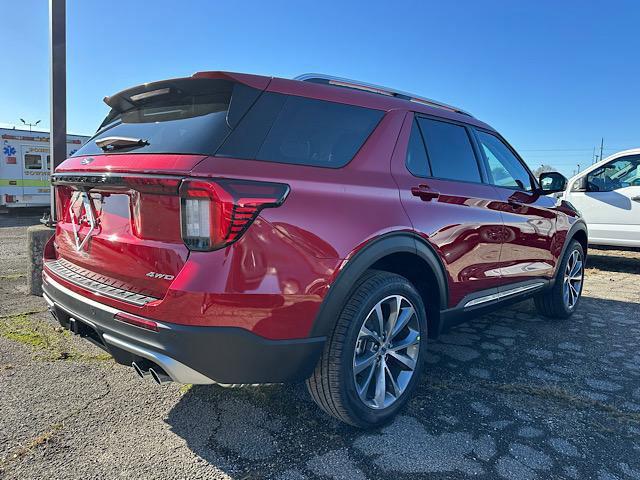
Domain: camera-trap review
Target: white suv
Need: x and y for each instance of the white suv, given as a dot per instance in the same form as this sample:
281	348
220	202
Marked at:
608	196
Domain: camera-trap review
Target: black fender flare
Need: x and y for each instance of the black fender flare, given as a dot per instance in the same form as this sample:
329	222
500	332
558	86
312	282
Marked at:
578	225
376	249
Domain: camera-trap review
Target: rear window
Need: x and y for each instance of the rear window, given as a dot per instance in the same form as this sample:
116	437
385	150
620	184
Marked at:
180	116
219	117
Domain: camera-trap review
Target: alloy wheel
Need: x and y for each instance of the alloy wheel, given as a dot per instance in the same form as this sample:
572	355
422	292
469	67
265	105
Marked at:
386	352
573	277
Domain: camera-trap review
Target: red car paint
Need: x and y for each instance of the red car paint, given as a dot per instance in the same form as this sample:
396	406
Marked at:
272	281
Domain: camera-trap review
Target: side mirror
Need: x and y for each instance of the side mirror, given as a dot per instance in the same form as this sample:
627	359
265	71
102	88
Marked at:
552	182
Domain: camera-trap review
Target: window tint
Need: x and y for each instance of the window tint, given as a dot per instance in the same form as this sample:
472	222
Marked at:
505	170
449	150
619	173
246	139
189	116
417	162
32	161
316	132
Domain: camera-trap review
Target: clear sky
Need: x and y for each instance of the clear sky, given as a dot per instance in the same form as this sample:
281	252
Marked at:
552	76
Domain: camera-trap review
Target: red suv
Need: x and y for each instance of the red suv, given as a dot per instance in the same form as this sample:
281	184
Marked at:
239	229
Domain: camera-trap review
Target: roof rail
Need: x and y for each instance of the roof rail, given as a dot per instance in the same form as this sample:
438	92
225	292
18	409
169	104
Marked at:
369	87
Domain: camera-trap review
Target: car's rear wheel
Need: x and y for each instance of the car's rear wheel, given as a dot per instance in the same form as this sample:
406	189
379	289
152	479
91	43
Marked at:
374	357
562	300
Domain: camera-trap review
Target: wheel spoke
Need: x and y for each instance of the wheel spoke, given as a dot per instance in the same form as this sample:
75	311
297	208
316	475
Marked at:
405	360
380	323
394	313
412	339
392	381
364	387
362	363
577	269
404	317
381	385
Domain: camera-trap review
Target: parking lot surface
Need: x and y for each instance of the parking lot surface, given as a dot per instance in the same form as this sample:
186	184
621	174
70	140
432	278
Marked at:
507	395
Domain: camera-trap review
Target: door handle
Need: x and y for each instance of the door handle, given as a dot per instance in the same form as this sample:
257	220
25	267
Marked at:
424	192
636	198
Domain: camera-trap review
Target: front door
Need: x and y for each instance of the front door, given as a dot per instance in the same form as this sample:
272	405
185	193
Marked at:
611	203
528	254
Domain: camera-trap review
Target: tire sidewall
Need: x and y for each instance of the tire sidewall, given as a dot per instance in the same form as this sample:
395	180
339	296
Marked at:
367	415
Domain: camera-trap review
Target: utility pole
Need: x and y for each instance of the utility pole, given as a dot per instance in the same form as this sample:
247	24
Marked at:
39	235
601	147
58	88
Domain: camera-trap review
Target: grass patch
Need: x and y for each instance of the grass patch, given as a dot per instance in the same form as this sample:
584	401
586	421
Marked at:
12	276
185	388
46	341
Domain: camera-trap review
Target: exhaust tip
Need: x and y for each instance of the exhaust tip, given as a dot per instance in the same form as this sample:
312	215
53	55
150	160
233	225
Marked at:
159	376
141	373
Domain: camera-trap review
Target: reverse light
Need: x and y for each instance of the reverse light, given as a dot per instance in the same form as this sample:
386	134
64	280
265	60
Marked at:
216	213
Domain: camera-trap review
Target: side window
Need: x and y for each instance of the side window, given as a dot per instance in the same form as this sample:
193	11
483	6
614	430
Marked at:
32	161
505	170
449	151
619	173
417	162
317	132
302	131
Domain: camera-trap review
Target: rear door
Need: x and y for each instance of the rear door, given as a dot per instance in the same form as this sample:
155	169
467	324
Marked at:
529	217
443	191
35	177
610	203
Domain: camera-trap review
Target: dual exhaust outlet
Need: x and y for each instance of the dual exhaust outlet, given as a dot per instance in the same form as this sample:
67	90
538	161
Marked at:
145	367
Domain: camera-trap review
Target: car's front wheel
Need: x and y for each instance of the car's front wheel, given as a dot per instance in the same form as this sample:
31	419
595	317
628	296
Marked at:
373	359
562	300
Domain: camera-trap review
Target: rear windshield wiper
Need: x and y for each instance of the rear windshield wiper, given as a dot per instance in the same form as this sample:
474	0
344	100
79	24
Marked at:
116	143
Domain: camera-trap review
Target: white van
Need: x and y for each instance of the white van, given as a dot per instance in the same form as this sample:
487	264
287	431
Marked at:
25	167
608	196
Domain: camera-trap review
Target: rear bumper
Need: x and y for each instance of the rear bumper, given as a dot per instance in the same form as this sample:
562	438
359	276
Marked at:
188	354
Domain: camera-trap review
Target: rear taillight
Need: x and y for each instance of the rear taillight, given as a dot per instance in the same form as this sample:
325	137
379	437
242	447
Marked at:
216	213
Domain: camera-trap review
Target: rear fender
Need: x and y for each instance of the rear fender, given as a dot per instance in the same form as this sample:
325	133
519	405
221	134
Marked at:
353	270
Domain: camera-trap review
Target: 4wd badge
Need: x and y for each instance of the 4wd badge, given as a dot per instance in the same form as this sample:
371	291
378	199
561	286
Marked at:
160	275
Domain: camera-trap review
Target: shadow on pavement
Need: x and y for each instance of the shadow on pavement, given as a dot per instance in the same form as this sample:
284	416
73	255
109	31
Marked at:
623	261
504	392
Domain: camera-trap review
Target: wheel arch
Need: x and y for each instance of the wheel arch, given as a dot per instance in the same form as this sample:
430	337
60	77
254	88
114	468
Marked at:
578	232
403	253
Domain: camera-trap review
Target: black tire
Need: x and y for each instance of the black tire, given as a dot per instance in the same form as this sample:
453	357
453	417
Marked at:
332	384
551	303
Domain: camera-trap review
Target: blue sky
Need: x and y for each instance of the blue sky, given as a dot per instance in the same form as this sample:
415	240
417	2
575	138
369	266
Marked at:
552	76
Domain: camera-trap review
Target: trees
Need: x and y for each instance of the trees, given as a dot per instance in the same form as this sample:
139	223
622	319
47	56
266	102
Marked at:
542	169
